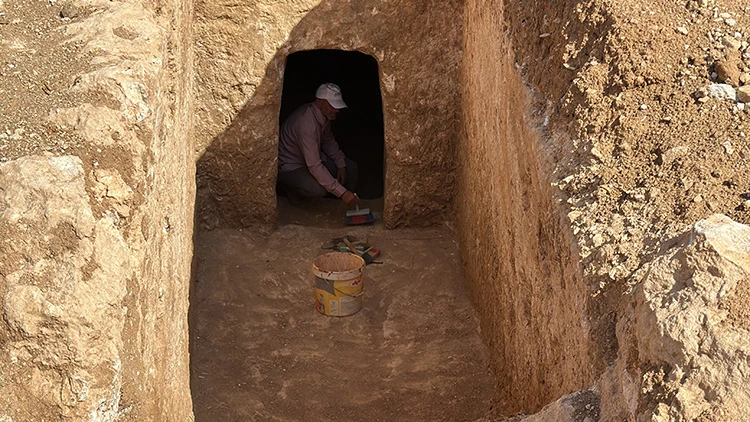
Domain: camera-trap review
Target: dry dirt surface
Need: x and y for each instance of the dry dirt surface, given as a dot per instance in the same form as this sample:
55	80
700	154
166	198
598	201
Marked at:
646	124
656	108
96	202
37	72
260	350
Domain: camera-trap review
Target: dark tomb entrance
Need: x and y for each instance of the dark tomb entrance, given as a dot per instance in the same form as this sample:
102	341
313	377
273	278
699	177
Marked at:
359	128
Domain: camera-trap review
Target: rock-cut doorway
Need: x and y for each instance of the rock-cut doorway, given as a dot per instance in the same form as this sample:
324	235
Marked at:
358	128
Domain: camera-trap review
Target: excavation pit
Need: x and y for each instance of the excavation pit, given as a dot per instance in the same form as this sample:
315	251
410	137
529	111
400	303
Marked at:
568	147
359	128
262	352
459	148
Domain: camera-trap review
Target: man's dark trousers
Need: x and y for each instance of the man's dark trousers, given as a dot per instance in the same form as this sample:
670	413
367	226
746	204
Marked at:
301	183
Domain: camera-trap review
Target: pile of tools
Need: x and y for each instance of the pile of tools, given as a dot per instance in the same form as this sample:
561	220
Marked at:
355	246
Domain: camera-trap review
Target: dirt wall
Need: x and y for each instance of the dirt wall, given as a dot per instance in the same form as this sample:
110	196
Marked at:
521	265
241	54
641	155
96	211
640	119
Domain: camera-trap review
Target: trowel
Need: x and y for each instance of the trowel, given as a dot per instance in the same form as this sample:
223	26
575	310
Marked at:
359	216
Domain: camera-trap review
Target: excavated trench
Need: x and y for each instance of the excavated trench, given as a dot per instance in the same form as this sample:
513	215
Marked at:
359	130
260	350
493	313
547	178
460	149
478	309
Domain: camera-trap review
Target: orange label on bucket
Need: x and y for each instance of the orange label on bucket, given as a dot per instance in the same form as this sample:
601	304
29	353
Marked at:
338	283
338	298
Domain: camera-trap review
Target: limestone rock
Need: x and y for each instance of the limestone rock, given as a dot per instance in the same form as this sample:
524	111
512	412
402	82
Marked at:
674	153
69	11
581	406
240	96
25	308
69	313
743	94
728	70
111	185
722	92
56	182
731	42
96	124
684	332
114	80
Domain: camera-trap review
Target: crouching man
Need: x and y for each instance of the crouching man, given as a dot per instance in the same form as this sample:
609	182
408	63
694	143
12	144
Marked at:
310	161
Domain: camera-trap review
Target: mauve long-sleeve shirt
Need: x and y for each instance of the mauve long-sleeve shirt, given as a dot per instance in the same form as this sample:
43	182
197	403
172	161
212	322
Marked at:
304	134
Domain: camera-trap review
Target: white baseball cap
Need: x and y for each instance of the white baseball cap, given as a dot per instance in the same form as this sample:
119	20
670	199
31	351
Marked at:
332	93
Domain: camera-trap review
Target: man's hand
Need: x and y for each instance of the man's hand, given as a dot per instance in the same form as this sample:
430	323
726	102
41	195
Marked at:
349	198
341	175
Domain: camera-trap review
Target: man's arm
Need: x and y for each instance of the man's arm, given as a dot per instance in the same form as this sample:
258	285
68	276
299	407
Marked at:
331	148
308	143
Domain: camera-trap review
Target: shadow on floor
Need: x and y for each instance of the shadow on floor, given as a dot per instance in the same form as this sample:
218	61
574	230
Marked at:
324	212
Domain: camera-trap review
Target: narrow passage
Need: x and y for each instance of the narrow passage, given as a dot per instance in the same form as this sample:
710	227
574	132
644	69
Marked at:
261	351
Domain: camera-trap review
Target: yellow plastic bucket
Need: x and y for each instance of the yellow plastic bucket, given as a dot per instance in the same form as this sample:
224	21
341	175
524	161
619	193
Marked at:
338	283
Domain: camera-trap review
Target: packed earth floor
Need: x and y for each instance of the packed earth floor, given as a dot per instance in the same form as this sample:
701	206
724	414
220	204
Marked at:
261	351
